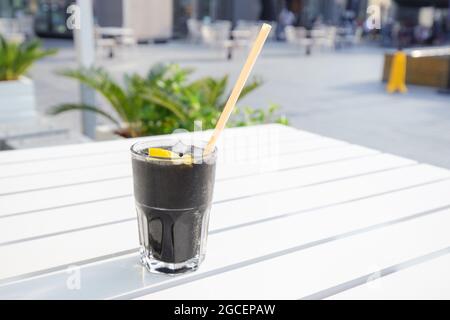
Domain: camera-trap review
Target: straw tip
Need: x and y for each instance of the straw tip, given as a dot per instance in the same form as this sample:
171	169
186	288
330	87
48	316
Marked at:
266	26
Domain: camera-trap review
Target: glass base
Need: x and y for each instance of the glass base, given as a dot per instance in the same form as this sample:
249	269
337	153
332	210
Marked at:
156	266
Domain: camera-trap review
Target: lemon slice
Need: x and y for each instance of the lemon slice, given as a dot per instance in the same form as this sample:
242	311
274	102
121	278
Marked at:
163	153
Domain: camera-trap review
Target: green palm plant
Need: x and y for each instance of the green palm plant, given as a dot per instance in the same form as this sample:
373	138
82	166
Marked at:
160	102
131	101
17	58
202	99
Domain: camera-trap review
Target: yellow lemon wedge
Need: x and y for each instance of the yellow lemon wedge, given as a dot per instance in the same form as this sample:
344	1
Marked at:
163	153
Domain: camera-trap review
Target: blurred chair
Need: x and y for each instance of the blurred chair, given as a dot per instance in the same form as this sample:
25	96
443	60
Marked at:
110	38
352	38
102	44
127	38
327	38
318	37
246	25
298	36
194	27
26	25
245	33
291	36
217	35
10	29
318	33
255	26
357	37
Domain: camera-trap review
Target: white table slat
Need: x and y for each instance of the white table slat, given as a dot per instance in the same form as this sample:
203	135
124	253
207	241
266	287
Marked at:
423	281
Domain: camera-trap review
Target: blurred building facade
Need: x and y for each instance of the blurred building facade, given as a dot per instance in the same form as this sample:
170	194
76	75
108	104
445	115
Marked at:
415	22
168	18
150	19
306	11
403	21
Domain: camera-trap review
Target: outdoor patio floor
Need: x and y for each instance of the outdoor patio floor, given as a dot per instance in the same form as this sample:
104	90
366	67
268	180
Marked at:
336	94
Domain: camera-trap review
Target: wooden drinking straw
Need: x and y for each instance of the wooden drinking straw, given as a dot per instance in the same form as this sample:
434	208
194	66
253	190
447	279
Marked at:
245	72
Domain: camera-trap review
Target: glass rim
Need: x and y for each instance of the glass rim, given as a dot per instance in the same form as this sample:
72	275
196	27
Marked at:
137	146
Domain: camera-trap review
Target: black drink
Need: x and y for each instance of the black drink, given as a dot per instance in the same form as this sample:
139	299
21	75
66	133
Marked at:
173	199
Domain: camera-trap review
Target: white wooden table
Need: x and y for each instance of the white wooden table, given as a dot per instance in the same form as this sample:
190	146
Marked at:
310	217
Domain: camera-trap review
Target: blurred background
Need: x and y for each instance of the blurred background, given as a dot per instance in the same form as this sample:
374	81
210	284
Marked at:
71	71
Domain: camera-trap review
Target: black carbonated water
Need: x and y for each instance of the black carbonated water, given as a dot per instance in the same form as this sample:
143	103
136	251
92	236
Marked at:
173	199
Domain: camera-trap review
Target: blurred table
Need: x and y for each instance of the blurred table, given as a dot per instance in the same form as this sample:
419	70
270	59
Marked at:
110	37
295	215
114	31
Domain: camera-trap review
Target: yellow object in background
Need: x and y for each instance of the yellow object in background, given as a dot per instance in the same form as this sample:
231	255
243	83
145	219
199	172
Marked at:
398	73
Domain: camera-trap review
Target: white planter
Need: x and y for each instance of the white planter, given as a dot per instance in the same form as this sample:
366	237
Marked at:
106	132
17	101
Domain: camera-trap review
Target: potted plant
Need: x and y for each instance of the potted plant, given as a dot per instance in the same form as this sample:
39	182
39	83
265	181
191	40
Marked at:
164	100
16	90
